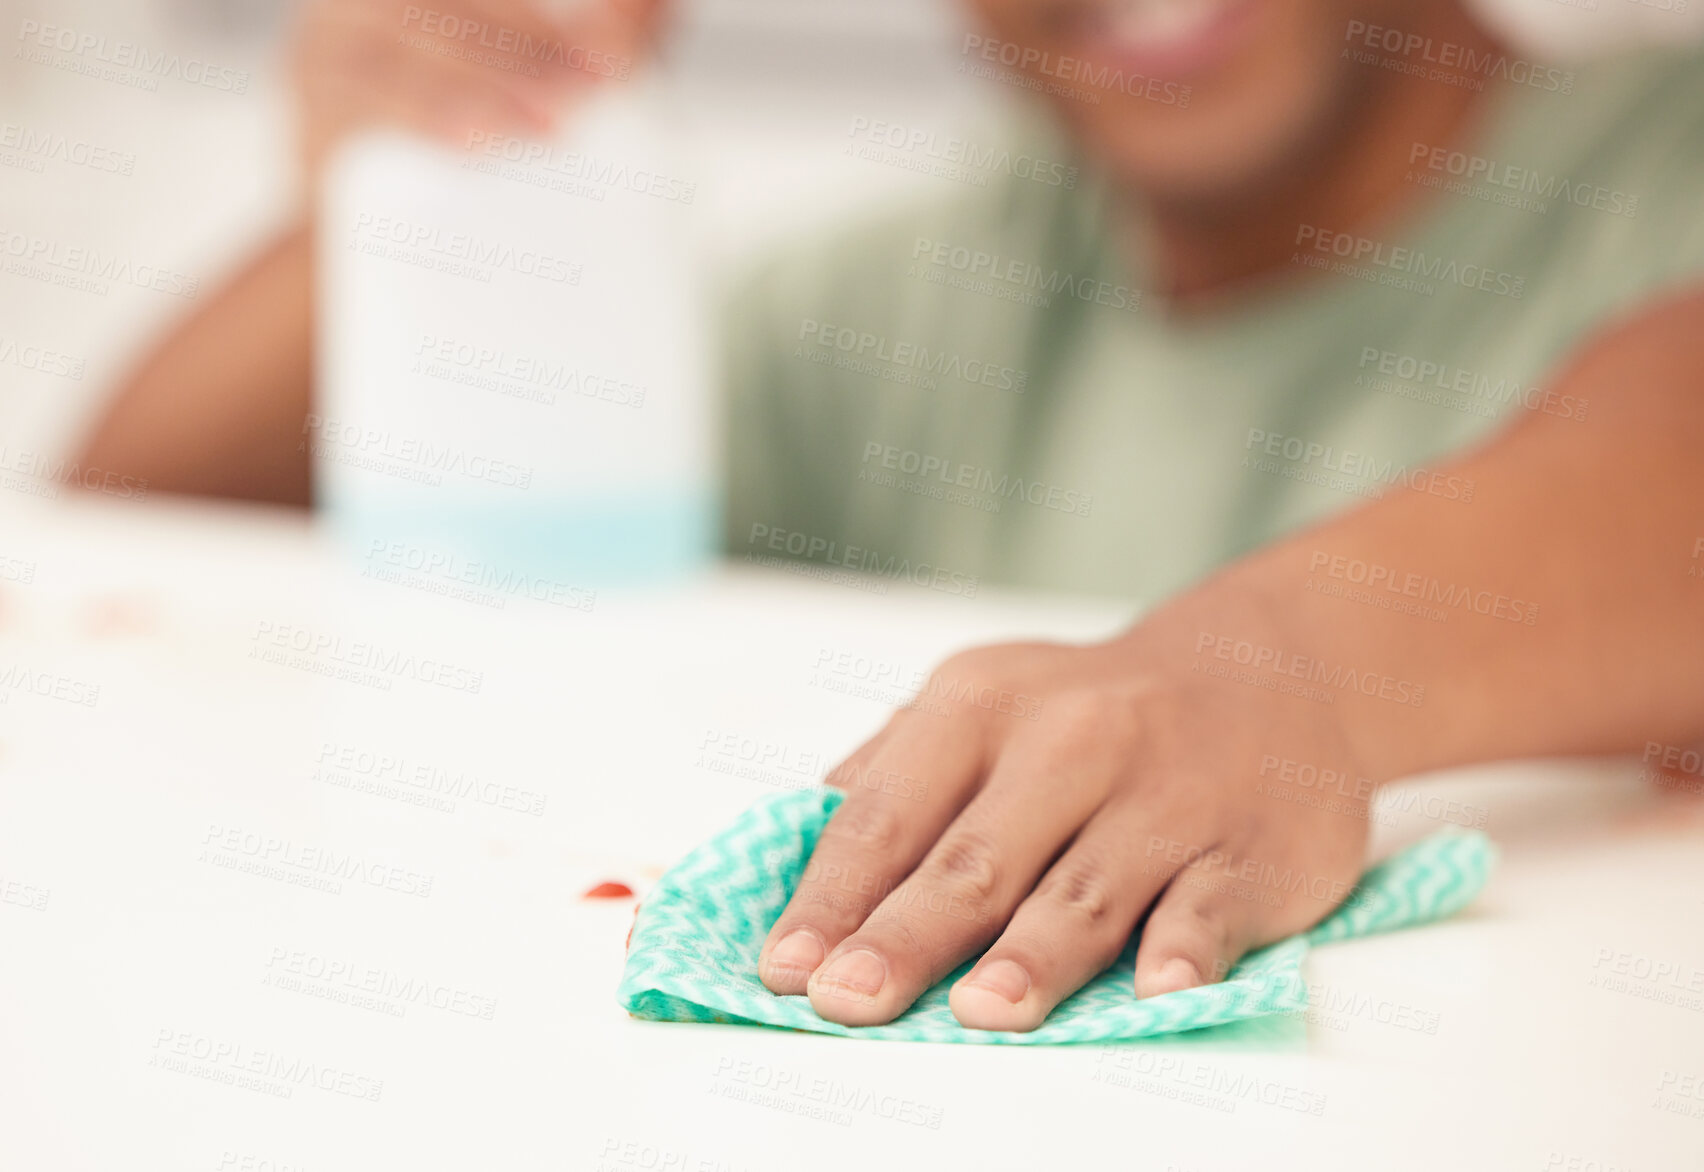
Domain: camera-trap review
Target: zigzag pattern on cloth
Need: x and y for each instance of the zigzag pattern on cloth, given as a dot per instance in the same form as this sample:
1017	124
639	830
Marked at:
693	952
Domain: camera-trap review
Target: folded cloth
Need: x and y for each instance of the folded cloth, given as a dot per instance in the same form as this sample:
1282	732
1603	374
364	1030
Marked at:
693	952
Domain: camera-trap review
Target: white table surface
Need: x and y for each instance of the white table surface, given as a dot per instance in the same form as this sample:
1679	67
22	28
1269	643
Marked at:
123	946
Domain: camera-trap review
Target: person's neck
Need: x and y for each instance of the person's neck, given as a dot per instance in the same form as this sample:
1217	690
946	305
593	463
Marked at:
1204	250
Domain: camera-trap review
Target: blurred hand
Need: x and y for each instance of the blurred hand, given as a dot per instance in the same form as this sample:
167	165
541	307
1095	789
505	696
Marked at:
1042	798
446	68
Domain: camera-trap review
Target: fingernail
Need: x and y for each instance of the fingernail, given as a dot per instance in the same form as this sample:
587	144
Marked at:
1177	973
1005	977
859	973
798	953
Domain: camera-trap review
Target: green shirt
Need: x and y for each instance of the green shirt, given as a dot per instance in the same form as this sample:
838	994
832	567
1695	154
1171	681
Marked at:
983	391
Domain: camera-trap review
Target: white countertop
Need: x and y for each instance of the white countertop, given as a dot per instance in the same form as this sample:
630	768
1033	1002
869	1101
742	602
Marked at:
165	851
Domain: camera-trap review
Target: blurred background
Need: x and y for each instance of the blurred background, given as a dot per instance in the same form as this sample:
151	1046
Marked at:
761	93
643	728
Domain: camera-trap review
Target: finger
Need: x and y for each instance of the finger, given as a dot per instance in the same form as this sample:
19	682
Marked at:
512	37
1203	923
873	840
851	771
1225	902
536	43
506	48
1038	794
452	110
446	108
439	72
1072	927
353	82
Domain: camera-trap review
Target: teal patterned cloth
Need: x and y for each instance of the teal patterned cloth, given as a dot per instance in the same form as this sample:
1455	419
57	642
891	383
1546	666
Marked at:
693	952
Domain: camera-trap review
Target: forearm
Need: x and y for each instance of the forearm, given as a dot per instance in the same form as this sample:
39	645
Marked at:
217	408
1551	614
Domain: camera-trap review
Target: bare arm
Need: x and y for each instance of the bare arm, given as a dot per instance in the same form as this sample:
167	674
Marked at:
1593	528
217	408
1145	776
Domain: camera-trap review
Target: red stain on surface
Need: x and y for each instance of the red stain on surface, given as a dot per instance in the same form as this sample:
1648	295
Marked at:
609	891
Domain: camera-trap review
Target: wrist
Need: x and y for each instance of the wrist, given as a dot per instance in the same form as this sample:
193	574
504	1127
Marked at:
1258	628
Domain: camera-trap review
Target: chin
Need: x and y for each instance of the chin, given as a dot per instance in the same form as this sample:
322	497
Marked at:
1214	151
1184	99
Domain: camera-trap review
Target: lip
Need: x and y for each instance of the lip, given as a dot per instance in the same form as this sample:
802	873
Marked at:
1173	40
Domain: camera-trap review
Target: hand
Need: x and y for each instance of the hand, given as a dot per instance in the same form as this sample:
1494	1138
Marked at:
445	68
1065	792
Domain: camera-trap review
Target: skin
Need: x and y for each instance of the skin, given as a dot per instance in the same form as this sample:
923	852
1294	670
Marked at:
1140	792
218	407
1144	785
1285	131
